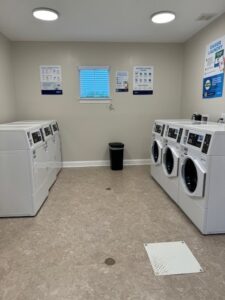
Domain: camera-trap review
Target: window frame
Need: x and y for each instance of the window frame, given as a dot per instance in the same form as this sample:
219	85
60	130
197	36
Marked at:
95	100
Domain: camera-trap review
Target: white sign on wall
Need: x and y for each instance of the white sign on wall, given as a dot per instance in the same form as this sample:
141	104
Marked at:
143	80
51	80
121	81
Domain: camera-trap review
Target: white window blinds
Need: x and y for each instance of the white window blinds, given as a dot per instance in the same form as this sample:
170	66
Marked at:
94	83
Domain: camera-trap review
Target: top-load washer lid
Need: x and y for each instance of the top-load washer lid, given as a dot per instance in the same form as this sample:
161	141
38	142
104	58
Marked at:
156	152
193	177
170	161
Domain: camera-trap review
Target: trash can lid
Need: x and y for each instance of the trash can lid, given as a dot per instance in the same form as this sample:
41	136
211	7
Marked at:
116	145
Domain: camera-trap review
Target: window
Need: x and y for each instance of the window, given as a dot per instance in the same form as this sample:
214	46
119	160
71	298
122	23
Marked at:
94	84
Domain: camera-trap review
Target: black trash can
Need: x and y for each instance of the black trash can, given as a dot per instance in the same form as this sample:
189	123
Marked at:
116	155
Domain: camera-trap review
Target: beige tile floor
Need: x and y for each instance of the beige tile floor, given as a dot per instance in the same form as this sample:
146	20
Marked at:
60	253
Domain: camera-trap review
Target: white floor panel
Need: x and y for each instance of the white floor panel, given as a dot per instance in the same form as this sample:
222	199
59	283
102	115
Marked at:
172	258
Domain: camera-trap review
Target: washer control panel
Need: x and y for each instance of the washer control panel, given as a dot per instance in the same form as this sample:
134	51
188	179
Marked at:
195	139
206	143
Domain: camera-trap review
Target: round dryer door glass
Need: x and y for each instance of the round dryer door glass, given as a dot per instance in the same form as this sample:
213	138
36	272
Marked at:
169	161
190	175
155	151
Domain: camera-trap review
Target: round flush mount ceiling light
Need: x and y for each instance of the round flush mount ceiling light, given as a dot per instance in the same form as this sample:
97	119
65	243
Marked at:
163	17
45	14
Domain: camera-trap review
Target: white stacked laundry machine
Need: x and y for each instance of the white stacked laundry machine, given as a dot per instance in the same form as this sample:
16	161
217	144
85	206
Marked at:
43	154
23	171
51	135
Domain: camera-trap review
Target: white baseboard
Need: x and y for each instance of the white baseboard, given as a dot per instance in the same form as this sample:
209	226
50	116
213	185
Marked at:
104	163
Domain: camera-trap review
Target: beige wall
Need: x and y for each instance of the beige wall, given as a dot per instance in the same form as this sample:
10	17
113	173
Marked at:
7	101
87	128
194	56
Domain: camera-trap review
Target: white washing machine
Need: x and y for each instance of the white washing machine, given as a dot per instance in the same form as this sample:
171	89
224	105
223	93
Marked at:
158	143
58	146
171	158
156	151
202	169
23	171
168	169
53	146
51	152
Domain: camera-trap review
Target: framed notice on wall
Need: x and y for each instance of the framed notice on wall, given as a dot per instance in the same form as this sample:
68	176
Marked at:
143	80
121	81
51	80
213	78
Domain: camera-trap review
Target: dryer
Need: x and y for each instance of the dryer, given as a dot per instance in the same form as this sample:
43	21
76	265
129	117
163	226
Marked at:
23	171
171	159
53	143
51	151
171	154
202	169
158	143
156	151
58	146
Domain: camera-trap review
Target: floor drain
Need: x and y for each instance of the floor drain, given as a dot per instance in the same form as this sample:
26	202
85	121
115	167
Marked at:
110	261
108	188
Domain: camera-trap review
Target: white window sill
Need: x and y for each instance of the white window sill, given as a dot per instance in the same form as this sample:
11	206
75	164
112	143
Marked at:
96	101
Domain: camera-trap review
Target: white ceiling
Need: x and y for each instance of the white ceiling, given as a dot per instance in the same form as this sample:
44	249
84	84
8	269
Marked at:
105	20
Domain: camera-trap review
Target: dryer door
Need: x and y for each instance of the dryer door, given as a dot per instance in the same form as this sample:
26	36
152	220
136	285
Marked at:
170	161
156	152
193	177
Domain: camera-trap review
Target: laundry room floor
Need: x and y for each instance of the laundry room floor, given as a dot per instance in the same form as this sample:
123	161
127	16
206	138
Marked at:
93	214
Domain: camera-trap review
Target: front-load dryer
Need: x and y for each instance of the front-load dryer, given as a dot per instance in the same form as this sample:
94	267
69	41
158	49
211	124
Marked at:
202	169
156	152
171	159
158	135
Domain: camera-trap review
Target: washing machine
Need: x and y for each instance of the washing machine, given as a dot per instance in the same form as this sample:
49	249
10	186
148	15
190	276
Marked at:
202	173
51	146
23	170
51	152
171	154
158	142
171	158
156	151
58	146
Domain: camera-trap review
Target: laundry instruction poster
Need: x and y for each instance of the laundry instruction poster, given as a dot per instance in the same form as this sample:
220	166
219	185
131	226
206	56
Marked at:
121	81
143	80
213	78
51	80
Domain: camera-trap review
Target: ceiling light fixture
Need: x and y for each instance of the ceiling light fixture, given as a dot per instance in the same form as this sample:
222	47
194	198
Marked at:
45	14
163	17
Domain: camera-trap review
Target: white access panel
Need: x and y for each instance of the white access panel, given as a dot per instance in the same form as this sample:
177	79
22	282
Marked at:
172	258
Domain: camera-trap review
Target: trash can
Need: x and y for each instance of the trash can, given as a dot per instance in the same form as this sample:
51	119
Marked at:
116	155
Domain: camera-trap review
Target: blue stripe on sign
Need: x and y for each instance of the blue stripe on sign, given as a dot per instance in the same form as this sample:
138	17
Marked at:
51	92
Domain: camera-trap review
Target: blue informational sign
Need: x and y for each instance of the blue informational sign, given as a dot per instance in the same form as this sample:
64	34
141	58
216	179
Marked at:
213	86
214	69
